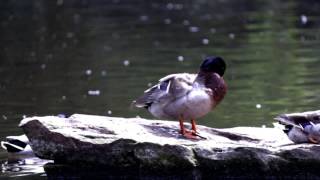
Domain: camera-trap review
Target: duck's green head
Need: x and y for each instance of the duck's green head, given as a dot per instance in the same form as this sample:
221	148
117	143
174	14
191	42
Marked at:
213	64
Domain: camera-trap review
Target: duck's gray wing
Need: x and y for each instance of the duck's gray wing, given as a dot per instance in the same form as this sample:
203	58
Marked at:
300	120
155	93
165	89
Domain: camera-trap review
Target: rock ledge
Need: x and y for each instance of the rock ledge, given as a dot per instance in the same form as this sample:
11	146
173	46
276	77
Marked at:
155	145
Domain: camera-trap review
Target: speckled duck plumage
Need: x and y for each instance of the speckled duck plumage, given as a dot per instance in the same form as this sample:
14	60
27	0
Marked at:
301	127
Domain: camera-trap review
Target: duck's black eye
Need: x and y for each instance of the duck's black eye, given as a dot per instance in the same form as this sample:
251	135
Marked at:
213	64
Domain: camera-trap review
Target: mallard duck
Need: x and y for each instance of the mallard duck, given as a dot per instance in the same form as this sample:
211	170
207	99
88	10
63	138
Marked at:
185	96
17	144
301	127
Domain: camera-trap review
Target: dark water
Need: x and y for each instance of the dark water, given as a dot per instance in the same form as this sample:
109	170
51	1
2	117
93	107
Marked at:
95	57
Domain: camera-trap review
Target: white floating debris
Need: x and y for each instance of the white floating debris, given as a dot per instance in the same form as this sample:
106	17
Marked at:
109	112
232	36
107	48
10	17
263	126
59	2
64	97
258	106
144	18
41	38
49	56
24	116
76	18
94	92
126	62
156	43
70	35
167	21
180	58
33	54
64	45
43	66
186	22
88	72
178	6
137	36
304	19
75	41
149	84
205	41
103	73
115	35
170	6
43	29
194	29
4	117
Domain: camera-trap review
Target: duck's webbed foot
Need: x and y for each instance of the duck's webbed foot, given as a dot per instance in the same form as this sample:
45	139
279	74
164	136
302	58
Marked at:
193	134
198	135
194	129
190	135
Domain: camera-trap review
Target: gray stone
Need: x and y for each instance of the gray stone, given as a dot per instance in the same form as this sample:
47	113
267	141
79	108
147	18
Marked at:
87	140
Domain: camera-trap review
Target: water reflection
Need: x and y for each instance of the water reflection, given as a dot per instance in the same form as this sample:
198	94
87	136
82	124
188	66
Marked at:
23	167
58	171
65	57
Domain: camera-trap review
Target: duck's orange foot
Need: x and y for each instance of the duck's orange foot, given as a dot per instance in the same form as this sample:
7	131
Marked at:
313	140
193	135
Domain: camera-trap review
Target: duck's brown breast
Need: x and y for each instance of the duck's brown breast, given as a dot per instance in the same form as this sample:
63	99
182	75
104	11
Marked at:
216	83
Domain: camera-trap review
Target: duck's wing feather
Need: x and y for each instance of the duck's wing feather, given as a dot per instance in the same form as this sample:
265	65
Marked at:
300	119
165	89
286	121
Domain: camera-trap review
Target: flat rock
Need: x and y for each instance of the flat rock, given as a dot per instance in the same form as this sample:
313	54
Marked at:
156	145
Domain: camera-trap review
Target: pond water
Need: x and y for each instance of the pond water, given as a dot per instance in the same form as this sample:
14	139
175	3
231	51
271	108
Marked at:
95	57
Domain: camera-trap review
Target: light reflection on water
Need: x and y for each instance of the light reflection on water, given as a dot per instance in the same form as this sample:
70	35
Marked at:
95	57
23	167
